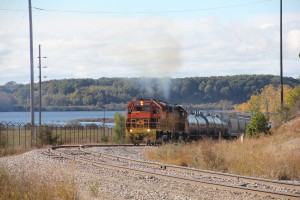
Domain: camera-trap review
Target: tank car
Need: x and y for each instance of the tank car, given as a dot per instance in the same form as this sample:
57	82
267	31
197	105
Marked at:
237	125
153	121
200	125
214	126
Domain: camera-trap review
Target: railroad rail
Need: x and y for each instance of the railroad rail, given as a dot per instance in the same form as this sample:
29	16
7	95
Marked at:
163	167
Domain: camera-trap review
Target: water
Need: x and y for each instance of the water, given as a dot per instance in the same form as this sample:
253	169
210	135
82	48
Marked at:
63	117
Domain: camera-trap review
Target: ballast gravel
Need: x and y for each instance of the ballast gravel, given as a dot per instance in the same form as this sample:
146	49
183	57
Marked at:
101	183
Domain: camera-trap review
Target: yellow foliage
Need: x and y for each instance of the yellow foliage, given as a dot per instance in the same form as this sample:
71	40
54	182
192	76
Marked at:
268	101
293	97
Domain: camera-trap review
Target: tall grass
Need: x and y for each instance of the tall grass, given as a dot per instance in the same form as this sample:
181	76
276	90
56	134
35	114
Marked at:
5	148
23	186
276	156
19	186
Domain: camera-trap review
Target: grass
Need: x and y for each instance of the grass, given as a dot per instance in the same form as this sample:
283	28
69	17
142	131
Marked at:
34	187
276	156
21	185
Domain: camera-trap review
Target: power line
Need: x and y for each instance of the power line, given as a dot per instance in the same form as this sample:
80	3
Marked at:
16	10
141	12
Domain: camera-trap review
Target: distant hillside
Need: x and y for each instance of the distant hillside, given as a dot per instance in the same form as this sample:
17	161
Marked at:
114	93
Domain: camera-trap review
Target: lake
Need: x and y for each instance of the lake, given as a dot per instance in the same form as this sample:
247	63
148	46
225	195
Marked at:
63	117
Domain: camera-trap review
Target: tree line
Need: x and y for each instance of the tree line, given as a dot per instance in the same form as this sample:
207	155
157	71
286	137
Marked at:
114	93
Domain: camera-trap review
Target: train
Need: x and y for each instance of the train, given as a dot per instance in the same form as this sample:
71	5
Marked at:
153	122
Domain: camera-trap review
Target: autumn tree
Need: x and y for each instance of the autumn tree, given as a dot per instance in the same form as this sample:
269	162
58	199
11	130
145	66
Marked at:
293	100
268	101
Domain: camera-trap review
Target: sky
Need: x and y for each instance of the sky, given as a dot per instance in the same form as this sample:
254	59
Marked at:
138	38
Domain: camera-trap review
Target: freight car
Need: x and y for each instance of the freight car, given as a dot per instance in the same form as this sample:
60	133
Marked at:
153	122
225	125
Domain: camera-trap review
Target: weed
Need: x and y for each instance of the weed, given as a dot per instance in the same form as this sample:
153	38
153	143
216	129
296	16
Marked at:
94	188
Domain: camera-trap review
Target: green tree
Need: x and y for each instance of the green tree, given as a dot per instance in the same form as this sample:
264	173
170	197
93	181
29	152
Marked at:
119	129
85	93
258	124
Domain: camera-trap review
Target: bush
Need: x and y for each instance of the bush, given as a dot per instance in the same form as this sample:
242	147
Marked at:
46	136
258	124
211	158
119	129
104	139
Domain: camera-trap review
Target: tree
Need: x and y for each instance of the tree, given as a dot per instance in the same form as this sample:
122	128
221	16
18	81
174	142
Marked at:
85	93
119	129
258	124
293	100
6	101
268	101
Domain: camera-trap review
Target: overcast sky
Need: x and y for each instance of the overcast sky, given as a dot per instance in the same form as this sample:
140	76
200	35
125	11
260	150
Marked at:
137	38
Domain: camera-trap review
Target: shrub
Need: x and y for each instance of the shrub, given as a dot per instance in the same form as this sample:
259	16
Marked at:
211	158
119	129
104	139
258	124
46	136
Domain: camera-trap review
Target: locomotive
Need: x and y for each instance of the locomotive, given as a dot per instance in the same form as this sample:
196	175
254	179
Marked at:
153	122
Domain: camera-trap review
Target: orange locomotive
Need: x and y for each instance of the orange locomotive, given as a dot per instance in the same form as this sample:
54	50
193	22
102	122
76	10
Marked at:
152	122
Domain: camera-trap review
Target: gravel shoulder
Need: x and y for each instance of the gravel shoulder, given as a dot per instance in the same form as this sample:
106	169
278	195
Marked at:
101	183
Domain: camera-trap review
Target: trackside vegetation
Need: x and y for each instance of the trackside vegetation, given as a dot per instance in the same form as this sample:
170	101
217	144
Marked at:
13	186
273	156
258	124
119	128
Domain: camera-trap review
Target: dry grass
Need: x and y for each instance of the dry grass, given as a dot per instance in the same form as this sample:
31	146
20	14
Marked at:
276	156
19	186
7	150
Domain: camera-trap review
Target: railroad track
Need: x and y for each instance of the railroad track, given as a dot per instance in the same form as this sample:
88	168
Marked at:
182	174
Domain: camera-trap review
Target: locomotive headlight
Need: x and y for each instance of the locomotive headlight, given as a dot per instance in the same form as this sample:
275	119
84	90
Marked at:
148	130
142	103
130	130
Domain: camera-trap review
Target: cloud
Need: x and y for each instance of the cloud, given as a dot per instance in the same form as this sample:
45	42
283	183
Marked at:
85	46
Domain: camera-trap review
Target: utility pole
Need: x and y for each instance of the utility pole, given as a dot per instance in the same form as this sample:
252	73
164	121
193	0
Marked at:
281	73
31	71
40	85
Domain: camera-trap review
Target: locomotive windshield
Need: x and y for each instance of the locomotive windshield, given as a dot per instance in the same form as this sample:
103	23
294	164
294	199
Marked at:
142	106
